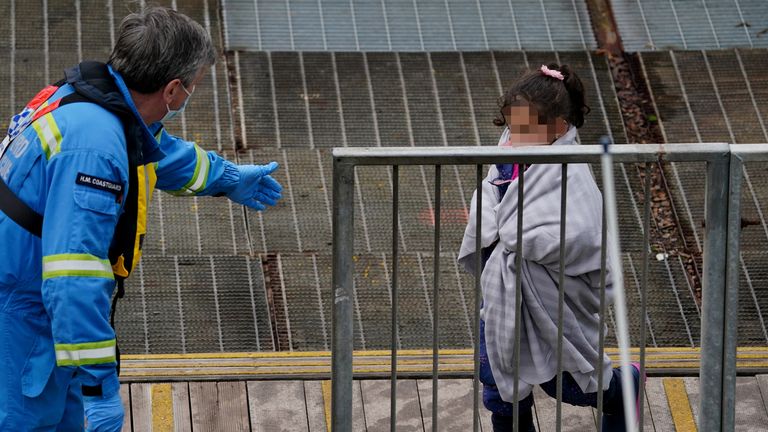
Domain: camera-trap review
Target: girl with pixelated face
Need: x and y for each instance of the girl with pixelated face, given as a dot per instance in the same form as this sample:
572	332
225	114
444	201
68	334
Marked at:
543	107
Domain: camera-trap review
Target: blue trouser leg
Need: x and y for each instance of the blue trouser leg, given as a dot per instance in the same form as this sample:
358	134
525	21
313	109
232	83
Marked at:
572	394
613	408
23	336
73	418
501	411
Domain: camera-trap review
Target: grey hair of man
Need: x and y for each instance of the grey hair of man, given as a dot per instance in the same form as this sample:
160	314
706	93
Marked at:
157	45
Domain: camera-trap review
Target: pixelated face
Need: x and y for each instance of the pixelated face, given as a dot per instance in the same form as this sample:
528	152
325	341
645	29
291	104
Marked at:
527	126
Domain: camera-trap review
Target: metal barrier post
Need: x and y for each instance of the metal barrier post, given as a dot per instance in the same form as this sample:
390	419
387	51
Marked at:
713	295
343	292
732	292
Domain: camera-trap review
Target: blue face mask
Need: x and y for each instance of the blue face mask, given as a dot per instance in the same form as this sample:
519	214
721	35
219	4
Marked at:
173	113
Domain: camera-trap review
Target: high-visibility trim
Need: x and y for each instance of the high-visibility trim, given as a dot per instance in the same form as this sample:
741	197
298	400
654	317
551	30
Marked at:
86	353
42	97
201	171
41	135
200	177
83	265
45	109
49	134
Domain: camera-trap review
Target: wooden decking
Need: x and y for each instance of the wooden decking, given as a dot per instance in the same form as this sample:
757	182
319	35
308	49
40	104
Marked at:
376	364
296	405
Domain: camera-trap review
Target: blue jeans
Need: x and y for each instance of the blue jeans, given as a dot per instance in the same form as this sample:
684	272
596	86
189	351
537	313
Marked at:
572	394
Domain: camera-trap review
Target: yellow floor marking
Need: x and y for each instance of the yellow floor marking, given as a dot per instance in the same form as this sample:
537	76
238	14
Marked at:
744	352
162	408
326	387
679	405
289	371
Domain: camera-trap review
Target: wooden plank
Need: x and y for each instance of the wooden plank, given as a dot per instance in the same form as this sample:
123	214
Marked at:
762	383
455	404
376	405
219	406
485	419
182	418
656	399
141	407
648	424
358	415
327	390
300	365
162	407
485	415
125	396
750	406
692	388
277	406
575	418
313	397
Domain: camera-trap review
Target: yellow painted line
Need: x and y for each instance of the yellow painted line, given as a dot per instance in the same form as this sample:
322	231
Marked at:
326	387
317	363
128	364
233	355
162	408
294	363
214	372
742	351
219	355
288	371
651	362
679	405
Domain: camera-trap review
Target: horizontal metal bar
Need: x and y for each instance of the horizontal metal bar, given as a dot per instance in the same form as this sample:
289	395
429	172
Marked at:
750	152
625	153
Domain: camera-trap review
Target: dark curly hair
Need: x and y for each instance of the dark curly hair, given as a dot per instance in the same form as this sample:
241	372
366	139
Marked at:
550	96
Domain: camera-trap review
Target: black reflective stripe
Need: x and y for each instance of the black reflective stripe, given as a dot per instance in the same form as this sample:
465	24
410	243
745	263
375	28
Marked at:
19	212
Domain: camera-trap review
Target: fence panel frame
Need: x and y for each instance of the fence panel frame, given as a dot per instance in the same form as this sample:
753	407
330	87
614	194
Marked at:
720	280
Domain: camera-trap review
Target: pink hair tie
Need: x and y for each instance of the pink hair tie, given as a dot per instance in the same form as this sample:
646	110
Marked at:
551	73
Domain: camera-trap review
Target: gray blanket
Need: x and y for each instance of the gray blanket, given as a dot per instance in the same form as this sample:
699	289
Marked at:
540	276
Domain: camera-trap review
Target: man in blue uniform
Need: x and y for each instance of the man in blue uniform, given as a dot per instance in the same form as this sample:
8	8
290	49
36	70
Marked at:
77	170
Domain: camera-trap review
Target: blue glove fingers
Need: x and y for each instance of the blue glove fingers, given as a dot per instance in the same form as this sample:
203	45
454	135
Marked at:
252	203
264	198
270	183
271	194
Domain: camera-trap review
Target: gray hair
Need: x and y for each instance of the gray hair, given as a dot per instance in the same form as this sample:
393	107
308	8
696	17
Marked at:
157	45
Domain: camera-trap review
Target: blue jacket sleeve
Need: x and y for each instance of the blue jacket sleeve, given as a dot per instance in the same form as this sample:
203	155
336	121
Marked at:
85	195
189	170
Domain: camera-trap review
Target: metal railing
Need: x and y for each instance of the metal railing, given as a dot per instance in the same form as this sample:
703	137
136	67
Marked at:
720	273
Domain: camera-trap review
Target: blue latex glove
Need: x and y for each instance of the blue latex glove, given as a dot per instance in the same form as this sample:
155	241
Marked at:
256	188
105	413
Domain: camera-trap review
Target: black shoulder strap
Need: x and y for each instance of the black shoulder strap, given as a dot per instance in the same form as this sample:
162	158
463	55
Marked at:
19	212
16	209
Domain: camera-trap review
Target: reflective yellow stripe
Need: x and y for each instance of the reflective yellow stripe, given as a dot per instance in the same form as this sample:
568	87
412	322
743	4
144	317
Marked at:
201	171
200	177
83	265
49	134
43	140
55	132
85	353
